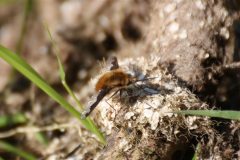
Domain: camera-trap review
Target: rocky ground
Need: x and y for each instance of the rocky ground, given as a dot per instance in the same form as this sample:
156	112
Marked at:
184	44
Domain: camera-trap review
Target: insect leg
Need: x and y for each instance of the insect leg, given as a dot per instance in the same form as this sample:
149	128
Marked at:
73	151
110	105
113	94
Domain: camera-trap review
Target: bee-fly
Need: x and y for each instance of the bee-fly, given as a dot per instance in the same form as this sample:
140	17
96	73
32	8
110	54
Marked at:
115	78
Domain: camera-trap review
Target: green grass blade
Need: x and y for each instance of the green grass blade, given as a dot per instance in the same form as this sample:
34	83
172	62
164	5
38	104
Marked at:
197	150
64	83
7	2
12	149
1	158
56	51
8	120
27	10
19	64
61	70
40	137
63	79
226	114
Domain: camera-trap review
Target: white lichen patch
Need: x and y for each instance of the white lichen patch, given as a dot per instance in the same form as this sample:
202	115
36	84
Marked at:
148	113
183	34
191	121
124	144
224	32
128	115
170	8
107	112
173	27
154	120
200	5
166	111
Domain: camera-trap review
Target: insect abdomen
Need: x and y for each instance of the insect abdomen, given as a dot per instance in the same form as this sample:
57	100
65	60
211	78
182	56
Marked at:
112	79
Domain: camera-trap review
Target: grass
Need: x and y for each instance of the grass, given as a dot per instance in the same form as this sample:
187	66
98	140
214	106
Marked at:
28	7
23	67
12	149
40	137
233	115
9	120
61	70
6	2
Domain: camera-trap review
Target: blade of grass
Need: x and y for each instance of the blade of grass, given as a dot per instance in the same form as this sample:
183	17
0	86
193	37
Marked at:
12	149
19	64
27	10
8	120
6	2
63	79
197	150
15	76
61	70
226	114
1	158
40	137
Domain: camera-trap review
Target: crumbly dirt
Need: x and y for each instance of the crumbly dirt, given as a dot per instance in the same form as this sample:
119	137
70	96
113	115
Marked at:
185	44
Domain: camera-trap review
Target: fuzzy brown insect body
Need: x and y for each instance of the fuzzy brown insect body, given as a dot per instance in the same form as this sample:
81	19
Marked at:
114	78
108	81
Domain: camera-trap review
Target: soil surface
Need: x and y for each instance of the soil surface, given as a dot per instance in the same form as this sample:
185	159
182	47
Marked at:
183	47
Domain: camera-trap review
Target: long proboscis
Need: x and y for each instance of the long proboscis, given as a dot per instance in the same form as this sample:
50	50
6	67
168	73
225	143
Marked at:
100	96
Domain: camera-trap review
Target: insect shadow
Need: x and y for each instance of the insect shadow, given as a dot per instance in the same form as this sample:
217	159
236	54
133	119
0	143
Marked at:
138	92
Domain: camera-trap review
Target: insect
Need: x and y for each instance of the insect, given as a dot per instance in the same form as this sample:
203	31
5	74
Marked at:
115	78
